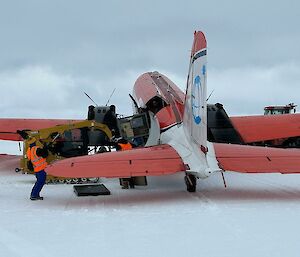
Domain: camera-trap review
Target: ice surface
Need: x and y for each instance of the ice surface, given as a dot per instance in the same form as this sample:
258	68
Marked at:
257	215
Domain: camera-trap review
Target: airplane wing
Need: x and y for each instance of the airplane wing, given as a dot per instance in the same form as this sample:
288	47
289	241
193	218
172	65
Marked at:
255	159
267	127
148	161
9	127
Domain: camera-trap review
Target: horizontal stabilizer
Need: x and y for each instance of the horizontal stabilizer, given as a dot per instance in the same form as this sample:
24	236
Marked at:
149	161
256	159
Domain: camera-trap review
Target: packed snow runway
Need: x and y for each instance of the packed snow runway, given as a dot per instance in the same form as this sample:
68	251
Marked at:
257	215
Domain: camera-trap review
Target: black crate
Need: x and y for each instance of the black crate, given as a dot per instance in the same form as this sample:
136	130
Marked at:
86	190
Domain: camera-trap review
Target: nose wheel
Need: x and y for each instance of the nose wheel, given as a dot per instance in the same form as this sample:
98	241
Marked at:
191	182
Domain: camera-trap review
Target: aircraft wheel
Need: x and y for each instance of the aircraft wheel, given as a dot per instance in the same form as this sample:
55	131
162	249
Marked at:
61	181
191	183
17	170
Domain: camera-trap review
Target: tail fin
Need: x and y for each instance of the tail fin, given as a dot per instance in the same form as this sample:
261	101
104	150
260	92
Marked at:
195	112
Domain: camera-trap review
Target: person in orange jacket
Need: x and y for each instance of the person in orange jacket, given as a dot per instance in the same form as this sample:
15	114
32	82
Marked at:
123	145
37	156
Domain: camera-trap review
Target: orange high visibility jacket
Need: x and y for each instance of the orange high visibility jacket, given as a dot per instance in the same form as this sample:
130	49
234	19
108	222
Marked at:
39	163
125	147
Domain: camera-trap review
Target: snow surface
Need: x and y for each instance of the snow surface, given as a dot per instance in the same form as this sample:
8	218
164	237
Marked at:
257	215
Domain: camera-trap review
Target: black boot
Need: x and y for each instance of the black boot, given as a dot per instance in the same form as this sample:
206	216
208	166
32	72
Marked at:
34	198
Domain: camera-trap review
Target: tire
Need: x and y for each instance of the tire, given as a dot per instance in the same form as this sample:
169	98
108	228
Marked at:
191	183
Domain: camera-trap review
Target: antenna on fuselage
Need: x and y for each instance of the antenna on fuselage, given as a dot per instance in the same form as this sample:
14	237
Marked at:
110	97
134	102
210	95
90	98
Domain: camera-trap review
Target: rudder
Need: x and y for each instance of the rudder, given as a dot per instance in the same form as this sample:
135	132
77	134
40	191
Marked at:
195	111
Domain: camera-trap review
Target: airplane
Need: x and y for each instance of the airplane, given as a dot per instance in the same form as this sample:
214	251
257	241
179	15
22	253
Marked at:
180	145
178	134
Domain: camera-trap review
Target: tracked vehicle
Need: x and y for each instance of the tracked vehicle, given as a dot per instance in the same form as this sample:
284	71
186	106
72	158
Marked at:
65	141
90	136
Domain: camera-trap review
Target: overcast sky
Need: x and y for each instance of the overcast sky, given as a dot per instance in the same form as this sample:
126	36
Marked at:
52	51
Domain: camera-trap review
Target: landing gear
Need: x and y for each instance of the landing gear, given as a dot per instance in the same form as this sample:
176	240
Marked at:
17	170
191	182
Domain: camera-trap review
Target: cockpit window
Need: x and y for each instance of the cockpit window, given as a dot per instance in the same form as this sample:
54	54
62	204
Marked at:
156	104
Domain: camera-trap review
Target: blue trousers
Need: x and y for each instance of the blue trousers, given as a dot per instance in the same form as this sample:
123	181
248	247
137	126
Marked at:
40	182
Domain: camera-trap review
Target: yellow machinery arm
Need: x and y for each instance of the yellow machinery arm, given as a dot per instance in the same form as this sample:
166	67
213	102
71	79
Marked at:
77	134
